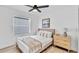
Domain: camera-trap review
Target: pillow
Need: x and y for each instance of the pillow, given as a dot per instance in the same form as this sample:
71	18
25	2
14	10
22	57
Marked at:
48	34
45	34
39	33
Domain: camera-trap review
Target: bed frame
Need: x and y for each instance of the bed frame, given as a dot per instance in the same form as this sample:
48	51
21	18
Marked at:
48	29
49	44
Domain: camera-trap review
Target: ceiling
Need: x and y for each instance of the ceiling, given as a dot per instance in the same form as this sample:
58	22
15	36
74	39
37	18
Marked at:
24	8
19	7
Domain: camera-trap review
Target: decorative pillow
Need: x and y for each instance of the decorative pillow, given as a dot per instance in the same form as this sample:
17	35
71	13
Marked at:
45	34
49	34
41	33
38	33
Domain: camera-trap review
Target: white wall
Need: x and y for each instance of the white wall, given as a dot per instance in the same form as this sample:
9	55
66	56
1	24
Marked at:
7	36
61	17
35	17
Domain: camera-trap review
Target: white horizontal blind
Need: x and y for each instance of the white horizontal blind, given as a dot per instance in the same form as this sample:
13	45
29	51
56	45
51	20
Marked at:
21	25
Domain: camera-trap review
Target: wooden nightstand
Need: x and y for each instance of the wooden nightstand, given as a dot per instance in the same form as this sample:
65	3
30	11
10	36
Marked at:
62	41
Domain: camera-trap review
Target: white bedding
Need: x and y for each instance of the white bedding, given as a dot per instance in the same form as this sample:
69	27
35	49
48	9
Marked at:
43	40
44	37
24	48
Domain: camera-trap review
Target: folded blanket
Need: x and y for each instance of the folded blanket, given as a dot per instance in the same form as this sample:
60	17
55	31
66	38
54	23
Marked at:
32	43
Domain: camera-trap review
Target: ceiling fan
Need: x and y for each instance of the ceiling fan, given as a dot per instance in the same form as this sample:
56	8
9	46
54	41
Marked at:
37	7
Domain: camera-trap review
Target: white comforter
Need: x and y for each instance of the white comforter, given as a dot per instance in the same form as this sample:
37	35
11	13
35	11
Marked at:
32	44
24	48
43	40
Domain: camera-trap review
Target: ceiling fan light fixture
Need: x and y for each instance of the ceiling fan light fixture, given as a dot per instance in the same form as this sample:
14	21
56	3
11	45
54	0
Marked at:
37	8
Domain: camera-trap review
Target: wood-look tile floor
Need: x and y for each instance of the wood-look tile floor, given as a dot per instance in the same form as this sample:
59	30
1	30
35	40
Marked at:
51	49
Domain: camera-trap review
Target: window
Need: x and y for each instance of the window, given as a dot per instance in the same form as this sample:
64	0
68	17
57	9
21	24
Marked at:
21	25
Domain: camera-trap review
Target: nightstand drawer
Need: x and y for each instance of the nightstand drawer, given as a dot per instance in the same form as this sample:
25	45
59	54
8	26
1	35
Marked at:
62	41
62	45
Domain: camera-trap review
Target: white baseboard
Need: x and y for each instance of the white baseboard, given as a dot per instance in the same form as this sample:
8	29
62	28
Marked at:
7	47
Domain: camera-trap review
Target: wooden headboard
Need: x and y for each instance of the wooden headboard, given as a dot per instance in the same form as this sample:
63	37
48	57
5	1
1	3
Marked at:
50	30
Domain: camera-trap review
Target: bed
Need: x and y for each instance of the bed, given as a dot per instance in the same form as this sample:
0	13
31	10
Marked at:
36	43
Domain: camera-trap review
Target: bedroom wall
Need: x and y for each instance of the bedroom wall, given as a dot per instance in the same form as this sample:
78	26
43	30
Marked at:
62	17
7	37
35	16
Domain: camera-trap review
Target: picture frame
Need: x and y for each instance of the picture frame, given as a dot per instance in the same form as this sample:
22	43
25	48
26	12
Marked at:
46	23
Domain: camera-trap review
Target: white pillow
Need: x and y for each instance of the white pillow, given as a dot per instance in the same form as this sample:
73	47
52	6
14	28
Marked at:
38	33
44	34
47	34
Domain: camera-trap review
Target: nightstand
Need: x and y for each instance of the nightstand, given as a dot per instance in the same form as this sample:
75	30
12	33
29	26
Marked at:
62	41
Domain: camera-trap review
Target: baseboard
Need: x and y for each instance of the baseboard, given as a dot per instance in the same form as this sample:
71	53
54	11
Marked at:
6	48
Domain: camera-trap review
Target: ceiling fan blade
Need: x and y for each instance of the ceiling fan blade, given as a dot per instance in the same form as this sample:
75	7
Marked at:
29	6
43	6
31	10
38	10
